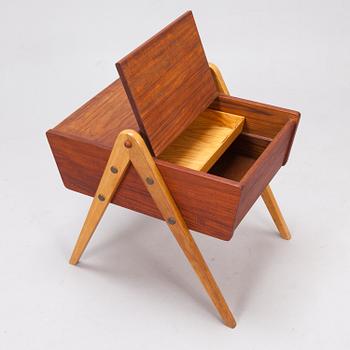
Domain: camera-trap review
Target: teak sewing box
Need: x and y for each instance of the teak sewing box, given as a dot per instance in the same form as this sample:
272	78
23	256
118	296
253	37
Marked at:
167	140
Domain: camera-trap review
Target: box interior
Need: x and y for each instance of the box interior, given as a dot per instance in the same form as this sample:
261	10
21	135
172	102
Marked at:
201	145
240	156
242	153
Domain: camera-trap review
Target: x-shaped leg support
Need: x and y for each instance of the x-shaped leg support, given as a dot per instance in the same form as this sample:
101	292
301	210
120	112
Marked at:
130	147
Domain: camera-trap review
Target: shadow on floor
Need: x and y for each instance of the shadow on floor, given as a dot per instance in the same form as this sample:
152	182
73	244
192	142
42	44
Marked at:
145	253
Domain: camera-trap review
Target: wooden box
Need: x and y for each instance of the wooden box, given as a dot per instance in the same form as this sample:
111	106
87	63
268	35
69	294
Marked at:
203	157
166	83
213	203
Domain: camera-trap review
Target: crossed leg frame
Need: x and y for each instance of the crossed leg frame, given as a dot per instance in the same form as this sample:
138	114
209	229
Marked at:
130	147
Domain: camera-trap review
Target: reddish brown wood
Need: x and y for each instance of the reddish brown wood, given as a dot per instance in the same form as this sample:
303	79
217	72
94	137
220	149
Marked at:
102	118
232	166
251	145
261	119
168	82
264	168
210	203
240	156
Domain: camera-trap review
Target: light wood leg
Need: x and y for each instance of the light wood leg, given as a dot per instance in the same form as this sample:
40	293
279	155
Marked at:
130	147
145	166
113	174
219	80
267	194
275	212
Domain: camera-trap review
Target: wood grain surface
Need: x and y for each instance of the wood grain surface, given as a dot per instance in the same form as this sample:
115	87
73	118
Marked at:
102	118
208	203
168	82
261	119
204	141
82	143
260	174
240	156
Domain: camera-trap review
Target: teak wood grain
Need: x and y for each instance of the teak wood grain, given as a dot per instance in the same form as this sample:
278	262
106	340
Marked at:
204	141
267	194
260	174
168	82
102	118
210	203
183	110
261	119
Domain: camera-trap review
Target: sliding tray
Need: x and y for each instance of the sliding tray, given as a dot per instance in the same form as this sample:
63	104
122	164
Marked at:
202	143
212	203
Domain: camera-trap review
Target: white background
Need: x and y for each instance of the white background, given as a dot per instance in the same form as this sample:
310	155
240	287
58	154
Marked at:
133	288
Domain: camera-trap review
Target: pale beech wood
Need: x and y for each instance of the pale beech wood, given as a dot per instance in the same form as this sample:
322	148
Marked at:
145	166
204	141
138	154
275	212
119	159
267	194
219	80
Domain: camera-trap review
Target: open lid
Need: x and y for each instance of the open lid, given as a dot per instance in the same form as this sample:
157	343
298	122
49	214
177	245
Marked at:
168	82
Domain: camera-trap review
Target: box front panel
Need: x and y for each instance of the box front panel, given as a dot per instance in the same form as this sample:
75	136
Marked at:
207	203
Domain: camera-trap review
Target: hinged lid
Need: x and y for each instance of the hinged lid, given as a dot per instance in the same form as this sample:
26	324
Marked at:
168	82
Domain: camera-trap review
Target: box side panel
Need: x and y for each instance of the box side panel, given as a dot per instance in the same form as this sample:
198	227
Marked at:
264	169
207	202
295	124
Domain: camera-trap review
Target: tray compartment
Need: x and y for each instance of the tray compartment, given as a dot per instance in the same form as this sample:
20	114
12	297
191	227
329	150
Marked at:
240	156
252	161
204	141
261	119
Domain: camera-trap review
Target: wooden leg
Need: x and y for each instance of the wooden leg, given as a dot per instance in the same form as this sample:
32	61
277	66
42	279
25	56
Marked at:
219	80
147	169
130	147
275	212
113	174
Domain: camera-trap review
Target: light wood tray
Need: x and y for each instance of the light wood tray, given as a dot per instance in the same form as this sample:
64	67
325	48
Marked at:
204	141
